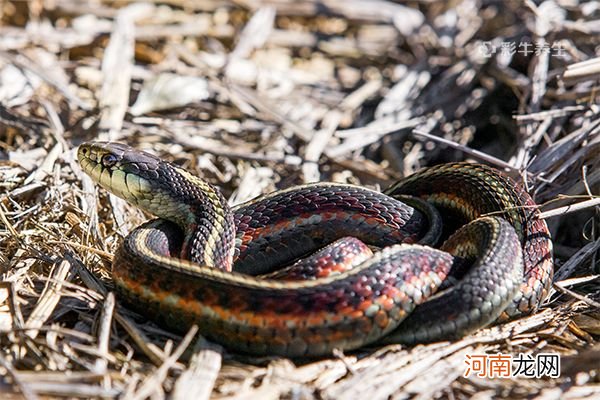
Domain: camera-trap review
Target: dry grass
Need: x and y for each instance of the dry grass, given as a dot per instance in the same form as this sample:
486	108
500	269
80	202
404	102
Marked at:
257	96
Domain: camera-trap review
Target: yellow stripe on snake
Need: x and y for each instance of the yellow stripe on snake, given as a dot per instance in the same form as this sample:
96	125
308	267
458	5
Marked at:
200	262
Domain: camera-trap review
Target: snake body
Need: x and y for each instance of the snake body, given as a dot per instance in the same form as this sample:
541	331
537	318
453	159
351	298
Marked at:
196	263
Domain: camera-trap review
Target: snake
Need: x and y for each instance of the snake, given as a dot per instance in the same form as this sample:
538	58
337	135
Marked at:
435	256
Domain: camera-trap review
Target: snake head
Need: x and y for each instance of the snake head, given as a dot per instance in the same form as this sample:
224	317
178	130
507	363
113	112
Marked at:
123	171
154	185
169	192
140	178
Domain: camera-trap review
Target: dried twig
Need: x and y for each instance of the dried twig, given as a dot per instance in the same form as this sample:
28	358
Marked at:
273	94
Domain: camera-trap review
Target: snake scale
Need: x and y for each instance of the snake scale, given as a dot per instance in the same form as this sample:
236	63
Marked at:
202	262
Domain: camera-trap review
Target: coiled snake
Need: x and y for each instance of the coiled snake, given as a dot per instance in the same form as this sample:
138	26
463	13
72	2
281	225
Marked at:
196	263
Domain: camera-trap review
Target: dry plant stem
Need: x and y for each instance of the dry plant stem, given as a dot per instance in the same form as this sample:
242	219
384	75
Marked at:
199	379
570	208
317	90
153	383
50	297
271	110
359	138
317	146
473	153
576	260
116	68
25	389
24	63
577	296
104	334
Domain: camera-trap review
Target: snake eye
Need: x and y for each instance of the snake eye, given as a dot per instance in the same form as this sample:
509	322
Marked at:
109	160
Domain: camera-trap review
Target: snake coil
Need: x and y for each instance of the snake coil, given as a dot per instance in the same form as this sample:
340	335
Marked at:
197	263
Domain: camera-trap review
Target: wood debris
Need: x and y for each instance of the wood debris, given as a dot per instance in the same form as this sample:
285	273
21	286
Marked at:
261	95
